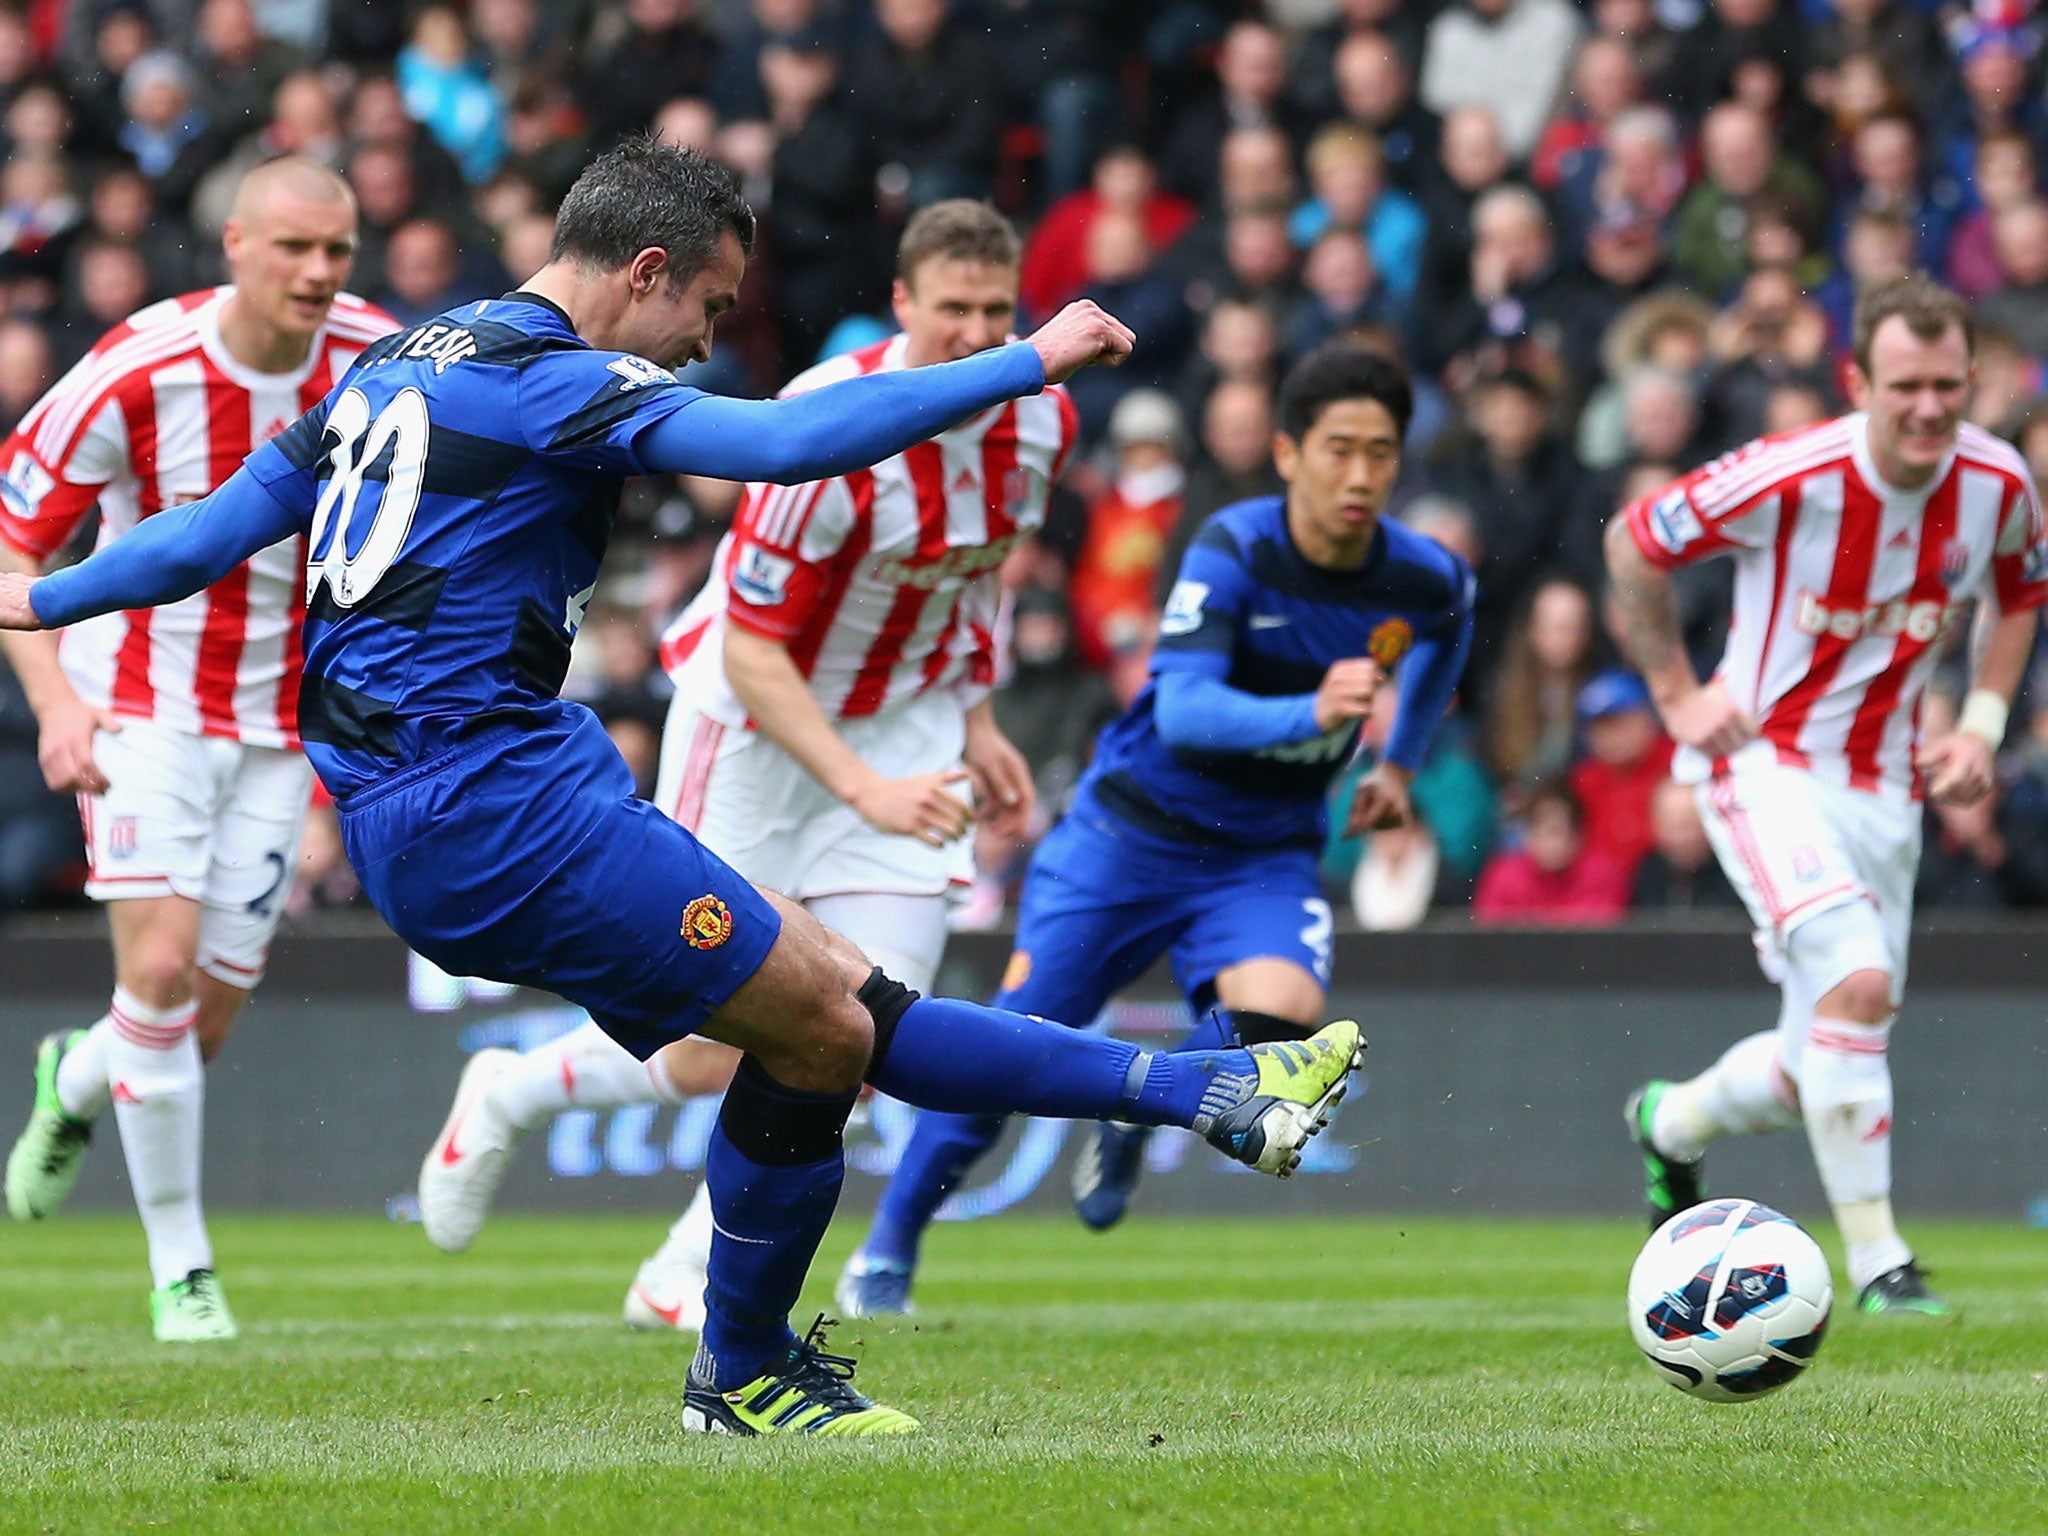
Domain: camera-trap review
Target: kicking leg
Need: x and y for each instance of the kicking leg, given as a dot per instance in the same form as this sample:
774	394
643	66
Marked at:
811	1025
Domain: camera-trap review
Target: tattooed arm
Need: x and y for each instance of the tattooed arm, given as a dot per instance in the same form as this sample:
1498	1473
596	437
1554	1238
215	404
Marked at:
1646	614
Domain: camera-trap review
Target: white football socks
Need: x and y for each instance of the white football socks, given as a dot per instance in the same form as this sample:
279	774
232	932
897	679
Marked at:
159	1094
82	1085
1847	1091
584	1069
1737	1096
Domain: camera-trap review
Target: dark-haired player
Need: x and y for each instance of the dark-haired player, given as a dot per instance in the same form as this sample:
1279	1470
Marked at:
458	488
831	689
1196	830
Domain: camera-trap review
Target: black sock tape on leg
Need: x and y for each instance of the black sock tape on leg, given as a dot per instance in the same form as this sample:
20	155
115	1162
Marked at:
778	1126
885	1000
1255	1028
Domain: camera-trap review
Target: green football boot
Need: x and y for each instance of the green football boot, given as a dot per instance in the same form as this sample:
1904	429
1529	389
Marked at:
1265	1121
1902	1290
47	1155
1669	1186
192	1310
806	1392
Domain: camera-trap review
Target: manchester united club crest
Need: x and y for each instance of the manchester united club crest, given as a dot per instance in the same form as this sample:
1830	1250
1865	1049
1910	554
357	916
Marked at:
1389	641
707	923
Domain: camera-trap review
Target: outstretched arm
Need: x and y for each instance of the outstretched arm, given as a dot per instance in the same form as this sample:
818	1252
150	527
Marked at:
162	559
858	422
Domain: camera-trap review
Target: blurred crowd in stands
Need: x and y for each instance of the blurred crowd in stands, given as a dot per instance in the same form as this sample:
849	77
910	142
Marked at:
1612	239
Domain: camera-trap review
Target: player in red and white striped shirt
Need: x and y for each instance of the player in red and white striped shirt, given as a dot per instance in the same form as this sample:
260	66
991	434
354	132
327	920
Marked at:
831	713
178	726
1857	546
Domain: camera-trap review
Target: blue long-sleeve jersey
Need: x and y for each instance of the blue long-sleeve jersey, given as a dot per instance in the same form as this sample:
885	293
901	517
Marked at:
457	489
1222	746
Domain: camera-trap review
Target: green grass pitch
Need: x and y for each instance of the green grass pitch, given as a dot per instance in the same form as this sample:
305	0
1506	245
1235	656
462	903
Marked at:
1381	1375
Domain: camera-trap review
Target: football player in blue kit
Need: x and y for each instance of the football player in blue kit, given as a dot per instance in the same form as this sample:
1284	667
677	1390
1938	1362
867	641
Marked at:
1196	830
457	488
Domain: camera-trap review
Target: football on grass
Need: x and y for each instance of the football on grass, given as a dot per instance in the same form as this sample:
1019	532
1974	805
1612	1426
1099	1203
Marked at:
1729	1300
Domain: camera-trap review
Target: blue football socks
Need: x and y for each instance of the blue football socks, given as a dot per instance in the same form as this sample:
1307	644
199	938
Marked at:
774	1166
965	1058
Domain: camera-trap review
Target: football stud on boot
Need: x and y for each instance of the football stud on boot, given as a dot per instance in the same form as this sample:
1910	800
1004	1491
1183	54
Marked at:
46	1157
1265	1120
1669	1186
805	1392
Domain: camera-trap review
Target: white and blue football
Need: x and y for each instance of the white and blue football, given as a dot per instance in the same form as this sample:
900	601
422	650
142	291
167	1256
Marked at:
1729	1300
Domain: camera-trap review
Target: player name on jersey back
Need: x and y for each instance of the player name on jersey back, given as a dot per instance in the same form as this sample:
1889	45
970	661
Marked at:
441	345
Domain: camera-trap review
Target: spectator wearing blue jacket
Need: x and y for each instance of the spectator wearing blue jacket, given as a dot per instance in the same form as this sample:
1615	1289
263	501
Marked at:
1347	171
446	88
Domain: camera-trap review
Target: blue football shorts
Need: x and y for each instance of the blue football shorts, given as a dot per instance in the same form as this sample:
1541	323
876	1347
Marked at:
523	856
1103	901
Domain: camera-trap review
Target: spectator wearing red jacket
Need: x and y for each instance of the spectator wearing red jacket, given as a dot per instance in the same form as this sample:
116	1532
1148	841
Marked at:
1554	878
1055	266
1627	755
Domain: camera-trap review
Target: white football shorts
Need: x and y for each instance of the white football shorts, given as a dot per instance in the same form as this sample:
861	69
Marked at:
1795	845
758	809
202	817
